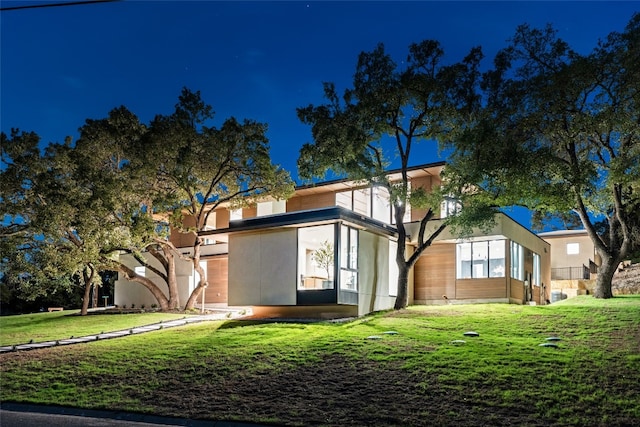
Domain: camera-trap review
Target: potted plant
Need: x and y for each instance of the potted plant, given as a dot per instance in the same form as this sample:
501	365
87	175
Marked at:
323	258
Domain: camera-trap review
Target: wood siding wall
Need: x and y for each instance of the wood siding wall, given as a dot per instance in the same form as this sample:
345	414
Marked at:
313	201
217	276
435	273
516	291
494	287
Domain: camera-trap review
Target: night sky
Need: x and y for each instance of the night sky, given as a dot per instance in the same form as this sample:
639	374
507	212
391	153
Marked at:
257	60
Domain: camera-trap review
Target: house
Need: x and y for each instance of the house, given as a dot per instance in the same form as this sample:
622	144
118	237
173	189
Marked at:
574	264
273	256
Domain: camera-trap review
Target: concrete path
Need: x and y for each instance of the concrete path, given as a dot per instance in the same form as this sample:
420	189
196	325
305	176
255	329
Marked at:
221	315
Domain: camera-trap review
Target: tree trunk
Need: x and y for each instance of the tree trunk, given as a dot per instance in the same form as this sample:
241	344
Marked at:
172	281
605	274
85	300
87	276
202	284
157	293
402	300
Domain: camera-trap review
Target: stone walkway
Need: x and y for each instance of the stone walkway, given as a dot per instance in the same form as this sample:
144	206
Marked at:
227	314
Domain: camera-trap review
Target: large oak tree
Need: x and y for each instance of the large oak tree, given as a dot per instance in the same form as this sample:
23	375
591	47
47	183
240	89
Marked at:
559	133
390	108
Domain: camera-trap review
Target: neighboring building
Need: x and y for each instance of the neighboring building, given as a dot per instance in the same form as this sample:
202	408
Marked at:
268	257
574	254
574	264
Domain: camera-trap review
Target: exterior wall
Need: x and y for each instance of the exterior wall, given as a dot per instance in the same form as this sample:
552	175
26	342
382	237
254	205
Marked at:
312	201
435	271
222	218
181	240
373	272
262	268
516	291
426	182
435	274
560	257
127	292
218	279
482	289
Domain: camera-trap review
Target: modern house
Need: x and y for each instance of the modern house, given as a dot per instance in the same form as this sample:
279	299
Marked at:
329	251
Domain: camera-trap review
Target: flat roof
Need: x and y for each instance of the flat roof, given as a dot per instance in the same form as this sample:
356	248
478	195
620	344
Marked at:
560	233
329	214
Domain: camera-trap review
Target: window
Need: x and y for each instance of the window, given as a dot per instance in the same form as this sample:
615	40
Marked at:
449	207
140	270
477	260
316	257
371	201
270	208
393	269
348	258
235	214
496	258
463	260
536	270
573	248
517	261
380	208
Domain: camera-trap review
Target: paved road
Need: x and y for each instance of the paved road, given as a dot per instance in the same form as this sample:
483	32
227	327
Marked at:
19	415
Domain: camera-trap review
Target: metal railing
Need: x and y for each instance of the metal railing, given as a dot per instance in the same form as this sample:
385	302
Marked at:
571	273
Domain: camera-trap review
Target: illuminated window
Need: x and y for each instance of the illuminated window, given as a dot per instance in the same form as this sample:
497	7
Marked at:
235	214
517	261
536	270
573	248
477	260
316	257
348	258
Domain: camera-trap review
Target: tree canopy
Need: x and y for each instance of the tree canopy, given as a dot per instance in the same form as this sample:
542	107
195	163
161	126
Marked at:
558	132
74	209
388	110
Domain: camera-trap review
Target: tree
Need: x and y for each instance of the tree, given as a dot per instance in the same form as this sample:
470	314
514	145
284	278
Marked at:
559	134
201	168
41	232
389	109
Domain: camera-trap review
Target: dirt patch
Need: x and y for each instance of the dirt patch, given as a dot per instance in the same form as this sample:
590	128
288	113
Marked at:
336	392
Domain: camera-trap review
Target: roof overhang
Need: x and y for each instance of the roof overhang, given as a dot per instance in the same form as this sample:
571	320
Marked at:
307	217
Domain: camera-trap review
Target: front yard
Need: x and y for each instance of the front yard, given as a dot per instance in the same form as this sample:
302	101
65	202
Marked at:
406	368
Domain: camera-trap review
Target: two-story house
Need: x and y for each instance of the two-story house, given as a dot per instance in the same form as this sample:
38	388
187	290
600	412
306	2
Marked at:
330	249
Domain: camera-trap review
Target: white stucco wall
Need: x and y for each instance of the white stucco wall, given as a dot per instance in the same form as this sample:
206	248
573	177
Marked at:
262	268
127	292
373	269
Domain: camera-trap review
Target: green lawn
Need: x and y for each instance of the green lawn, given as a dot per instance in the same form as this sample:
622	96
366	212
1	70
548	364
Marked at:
331	374
63	324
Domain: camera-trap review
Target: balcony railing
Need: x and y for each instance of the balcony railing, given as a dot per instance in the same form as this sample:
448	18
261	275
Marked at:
571	273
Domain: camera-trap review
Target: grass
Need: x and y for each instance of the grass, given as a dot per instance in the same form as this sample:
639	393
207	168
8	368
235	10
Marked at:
63	324
331	374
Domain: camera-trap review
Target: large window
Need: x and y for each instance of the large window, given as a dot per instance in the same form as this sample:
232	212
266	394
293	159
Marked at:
517	261
316	257
536	270
477	260
371	201
348	258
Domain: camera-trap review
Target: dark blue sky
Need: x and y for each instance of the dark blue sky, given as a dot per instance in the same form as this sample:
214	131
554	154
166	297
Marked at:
257	60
